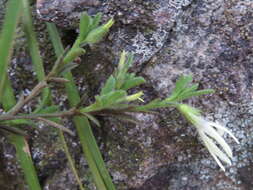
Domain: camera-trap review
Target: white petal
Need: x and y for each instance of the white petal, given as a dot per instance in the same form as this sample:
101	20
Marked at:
218	126
203	136
200	123
214	134
215	150
218	162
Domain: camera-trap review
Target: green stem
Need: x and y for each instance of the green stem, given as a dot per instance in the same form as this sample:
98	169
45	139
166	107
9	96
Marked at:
93	156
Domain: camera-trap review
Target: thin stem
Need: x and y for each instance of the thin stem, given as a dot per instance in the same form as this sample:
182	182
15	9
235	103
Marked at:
7	117
70	160
56	125
35	92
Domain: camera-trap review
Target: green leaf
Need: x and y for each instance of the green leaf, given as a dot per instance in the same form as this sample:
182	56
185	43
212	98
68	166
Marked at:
12	15
181	84
84	27
122	61
96	20
93	119
133	83
109	85
12	130
18	122
133	97
129	62
25	159
49	109
180	87
98	33
68	67
121	74
194	87
112	97
105	101
195	93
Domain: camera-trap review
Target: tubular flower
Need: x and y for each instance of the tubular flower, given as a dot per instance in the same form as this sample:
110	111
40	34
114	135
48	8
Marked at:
211	135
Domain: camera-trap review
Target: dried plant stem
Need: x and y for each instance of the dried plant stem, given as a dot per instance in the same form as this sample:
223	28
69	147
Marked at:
54	124
70	160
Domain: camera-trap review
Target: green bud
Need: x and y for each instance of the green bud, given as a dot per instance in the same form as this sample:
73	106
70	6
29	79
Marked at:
188	111
98	33
134	96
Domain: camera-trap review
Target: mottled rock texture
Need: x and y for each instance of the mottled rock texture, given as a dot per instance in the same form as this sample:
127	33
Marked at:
210	39
146	23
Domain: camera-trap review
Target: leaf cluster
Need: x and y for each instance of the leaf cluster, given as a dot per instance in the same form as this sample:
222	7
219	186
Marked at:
89	33
114	94
114	98
184	89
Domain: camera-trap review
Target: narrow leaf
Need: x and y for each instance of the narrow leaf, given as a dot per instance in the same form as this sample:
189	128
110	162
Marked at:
68	67
85	22
92	118
49	109
194	87
182	83
112	97
133	83
196	93
109	85
96	20
12	130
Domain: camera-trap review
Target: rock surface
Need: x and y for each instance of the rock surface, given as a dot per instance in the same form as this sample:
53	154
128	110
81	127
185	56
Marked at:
210	39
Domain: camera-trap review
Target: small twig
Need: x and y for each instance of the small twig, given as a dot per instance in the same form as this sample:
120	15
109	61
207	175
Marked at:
54	124
6	117
18	106
129	109
70	160
57	80
35	92
57	64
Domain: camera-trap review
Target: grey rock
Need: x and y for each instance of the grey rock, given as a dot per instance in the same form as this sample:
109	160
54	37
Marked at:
141	26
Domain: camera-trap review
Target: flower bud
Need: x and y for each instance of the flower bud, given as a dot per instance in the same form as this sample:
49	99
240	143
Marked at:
98	33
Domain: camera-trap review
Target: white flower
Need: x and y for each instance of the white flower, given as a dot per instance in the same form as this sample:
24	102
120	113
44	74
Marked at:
211	134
